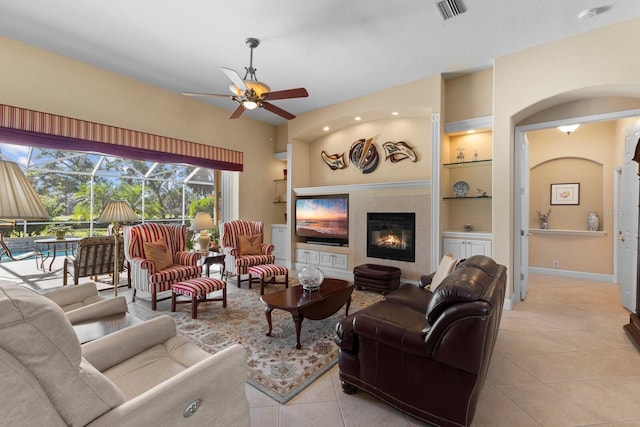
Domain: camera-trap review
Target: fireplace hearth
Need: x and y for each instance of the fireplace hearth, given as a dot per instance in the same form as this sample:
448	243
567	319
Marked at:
391	235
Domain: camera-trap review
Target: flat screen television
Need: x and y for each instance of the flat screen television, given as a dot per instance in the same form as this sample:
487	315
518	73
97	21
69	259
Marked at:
323	219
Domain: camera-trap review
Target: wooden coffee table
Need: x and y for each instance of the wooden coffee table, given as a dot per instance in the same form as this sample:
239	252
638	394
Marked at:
316	305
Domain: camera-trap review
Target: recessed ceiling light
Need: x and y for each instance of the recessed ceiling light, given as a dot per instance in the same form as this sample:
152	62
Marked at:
326	128
358	118
394	113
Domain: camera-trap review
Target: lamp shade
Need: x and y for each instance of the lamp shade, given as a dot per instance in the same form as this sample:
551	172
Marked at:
202	221
117	211
19	200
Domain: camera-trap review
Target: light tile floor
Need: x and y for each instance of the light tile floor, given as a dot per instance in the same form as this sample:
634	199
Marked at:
561	359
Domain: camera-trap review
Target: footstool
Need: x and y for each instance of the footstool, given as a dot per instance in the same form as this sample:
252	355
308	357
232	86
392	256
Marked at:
378	277
268	271
197	289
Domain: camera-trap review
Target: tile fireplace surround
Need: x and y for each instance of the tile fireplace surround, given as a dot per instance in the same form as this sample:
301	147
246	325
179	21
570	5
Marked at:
416	201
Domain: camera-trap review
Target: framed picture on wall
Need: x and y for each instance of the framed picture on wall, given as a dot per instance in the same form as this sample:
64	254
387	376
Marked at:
565	194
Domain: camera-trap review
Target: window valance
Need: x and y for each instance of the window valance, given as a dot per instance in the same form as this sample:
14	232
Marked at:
28	127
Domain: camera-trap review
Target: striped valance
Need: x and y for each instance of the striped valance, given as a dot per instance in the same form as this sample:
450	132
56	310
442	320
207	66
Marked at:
22	126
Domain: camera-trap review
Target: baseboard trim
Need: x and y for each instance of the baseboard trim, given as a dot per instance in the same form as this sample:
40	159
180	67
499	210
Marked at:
581	275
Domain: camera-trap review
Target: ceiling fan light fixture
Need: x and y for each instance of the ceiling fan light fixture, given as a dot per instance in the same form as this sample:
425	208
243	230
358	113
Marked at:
250	105
258	87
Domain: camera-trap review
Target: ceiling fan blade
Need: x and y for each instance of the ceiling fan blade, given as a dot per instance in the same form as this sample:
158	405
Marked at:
237	112
206	94
286	94
277	110
235	78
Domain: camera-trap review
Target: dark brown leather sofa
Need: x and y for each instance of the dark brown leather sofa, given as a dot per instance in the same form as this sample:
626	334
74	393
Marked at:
427	354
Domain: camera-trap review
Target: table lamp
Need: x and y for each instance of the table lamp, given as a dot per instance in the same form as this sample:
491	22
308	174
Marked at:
202	222
19	200
116	211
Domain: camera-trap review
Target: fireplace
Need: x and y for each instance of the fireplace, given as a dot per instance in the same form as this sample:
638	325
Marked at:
391	235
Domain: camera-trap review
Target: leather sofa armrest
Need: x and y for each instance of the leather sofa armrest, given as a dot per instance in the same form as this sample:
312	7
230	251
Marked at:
459	326
404	332
121	345
344	336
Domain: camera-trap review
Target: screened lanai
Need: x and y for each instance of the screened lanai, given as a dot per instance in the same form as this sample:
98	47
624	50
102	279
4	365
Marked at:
74	187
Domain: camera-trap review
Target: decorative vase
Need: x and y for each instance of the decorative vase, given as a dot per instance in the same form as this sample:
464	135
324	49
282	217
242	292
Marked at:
593	222
544	225
60	235
310	278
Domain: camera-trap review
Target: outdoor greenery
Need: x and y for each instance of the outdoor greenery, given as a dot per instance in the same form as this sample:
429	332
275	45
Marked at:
74	187
68	183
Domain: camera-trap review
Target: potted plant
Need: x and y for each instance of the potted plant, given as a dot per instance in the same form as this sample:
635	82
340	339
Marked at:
59	230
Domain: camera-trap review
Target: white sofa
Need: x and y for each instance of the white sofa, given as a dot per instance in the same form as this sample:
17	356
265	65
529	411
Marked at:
141	375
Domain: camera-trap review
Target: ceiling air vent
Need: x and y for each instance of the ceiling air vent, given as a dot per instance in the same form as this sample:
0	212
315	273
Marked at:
449	8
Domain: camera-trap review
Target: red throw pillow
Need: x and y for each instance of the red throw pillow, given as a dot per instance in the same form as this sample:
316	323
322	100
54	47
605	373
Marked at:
250	245
158	253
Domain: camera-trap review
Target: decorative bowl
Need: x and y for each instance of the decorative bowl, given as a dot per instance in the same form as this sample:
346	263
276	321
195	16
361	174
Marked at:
461	188
310	278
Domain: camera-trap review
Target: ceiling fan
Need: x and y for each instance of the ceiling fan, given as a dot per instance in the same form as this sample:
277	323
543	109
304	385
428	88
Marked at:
250	93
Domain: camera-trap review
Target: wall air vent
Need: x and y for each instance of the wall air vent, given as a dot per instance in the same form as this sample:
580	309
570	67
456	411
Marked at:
449	8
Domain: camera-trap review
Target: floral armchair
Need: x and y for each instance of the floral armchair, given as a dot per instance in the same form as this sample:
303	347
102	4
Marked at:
158	257
242	243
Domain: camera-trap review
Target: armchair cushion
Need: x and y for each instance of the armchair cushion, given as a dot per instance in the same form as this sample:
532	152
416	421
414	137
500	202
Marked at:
158	253
250	245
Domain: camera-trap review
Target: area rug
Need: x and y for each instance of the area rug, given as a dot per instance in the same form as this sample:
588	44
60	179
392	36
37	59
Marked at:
275	367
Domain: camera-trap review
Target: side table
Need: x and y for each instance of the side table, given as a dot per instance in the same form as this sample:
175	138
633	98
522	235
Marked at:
210	258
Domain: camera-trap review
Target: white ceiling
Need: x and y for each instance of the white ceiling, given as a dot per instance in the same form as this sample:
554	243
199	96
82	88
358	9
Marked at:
337	49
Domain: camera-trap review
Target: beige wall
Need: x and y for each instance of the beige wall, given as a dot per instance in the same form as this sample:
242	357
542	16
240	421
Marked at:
413	131
597	63
587	157
469	96
39	80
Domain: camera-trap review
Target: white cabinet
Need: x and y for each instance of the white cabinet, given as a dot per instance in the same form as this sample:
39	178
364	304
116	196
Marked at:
280	242
464	248
330	260
305	256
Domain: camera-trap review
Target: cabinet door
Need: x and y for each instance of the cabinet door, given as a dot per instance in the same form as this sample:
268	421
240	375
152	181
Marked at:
455	247
340	261
306	257
326	259
478	247
278	239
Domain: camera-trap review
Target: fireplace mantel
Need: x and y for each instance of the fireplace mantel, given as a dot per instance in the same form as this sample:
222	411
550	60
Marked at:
335	189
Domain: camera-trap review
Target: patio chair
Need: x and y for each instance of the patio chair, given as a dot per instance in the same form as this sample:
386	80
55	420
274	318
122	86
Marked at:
5	251
94	257
158	258
239	256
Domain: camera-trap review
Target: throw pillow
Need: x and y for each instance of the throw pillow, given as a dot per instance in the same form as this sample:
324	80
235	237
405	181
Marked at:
158	253
447	264
250	245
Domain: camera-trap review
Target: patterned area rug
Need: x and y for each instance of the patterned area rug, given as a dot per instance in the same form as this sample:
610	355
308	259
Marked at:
275	367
